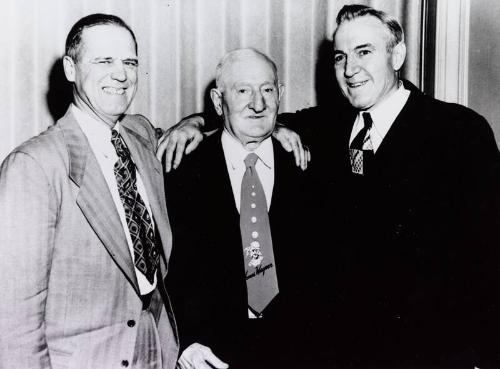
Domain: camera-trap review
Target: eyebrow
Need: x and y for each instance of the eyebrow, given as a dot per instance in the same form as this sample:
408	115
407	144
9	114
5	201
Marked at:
109	58
362	46
244	83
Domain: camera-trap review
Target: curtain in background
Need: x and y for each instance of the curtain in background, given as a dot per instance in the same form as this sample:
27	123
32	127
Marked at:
180	43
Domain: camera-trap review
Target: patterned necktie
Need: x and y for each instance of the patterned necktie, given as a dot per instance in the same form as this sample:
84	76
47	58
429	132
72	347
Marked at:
361	149
260	268
139	222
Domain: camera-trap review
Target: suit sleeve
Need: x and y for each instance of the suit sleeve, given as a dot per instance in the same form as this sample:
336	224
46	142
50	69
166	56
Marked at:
311	123
28	214
184	229
481	168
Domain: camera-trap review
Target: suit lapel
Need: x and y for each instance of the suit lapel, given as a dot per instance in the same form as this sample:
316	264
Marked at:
94	198
151	173
222	181
345	136
399	141
338	150
283	172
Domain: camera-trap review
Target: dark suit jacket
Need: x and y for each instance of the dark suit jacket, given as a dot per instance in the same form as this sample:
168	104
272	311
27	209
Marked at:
411	258
207	270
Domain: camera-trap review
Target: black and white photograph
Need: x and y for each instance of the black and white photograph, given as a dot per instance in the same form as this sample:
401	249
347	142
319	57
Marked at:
249	184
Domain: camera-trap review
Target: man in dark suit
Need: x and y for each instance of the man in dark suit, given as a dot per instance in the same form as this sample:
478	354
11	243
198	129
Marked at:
85	235
214	263
412	183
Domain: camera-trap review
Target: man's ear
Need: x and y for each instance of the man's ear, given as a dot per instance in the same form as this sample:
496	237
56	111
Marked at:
398	55
216	97
69	68
281	91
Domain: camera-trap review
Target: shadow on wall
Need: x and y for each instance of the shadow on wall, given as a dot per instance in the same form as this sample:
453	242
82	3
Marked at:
60	92
328	93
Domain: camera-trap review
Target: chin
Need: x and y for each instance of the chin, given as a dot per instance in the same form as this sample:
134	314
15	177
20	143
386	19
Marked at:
119	110
359	104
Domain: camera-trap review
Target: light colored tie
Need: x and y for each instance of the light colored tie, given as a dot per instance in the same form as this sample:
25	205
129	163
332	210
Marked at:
361	149
260	267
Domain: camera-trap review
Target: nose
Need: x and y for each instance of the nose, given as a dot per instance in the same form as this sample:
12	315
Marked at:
118	73
351	67
257	104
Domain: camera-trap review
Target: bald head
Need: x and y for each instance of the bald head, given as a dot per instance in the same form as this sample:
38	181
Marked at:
236	56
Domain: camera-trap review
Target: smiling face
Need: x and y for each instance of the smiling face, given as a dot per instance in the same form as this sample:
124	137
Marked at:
105	75
365	70
248	99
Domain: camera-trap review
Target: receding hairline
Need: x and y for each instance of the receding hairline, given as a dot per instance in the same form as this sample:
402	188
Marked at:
238	55
389	37
74	38
393	28
85	37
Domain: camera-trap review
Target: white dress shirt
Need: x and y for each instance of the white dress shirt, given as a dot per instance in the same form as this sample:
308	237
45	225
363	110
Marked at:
99	137
383	116
235	155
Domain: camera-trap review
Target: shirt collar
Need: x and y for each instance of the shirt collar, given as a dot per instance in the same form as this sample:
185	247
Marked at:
236	153
385	113
98	133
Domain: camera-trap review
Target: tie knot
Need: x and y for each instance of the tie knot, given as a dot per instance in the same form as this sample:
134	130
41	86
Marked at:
367	118
250	160
114	136
119	144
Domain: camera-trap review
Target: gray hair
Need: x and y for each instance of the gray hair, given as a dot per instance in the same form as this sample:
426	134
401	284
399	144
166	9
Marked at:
239	54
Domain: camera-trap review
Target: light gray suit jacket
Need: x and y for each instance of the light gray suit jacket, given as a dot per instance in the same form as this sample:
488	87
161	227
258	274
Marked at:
69	294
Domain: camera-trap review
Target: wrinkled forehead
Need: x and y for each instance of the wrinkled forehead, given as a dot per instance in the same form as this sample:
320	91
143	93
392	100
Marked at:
248	69
108	40
366	29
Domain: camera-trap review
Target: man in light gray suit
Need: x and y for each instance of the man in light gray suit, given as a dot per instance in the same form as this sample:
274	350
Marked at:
85	238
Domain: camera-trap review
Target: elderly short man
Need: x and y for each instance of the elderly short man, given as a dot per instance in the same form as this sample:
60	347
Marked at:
85	236
239	270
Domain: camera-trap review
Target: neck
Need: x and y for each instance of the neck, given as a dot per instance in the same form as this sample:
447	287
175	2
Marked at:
83	106
249	145
389	93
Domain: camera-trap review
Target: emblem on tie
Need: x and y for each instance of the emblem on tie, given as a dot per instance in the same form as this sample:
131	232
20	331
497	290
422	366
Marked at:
254	254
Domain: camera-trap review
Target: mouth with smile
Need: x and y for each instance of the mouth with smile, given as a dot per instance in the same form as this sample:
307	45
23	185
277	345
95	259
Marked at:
256	116
356	84
114	90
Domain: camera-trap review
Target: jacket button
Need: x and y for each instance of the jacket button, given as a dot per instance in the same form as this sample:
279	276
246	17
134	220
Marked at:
125	363
131	323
